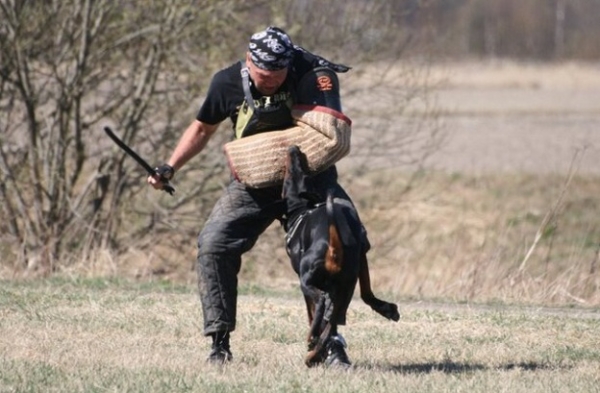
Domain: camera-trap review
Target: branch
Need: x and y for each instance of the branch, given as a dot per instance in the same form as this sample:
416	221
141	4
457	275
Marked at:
554	210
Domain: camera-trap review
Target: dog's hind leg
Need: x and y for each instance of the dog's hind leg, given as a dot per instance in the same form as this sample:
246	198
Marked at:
323	345
315	341
330	345
310	309
386	309
318	312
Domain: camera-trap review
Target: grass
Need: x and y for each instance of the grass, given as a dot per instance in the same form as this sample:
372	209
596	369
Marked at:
62	335
465	237
453	237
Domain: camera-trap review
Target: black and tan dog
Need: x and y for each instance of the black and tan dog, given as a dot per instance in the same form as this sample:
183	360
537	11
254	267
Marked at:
325	248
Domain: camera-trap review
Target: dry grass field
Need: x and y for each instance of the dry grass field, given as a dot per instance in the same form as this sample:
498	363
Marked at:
492	254
520	117
114	336
500	116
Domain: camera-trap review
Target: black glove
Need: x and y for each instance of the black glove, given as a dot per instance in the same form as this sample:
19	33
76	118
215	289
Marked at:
165	172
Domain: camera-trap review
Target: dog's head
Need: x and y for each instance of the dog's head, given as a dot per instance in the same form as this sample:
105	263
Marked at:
298	190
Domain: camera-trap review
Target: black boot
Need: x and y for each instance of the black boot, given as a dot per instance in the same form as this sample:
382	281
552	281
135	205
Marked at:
220	352
336	352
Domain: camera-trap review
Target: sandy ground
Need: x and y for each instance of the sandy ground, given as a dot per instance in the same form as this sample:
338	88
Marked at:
507	116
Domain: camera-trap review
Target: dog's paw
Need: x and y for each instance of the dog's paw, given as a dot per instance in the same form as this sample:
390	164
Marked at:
393	313
385	309
388	310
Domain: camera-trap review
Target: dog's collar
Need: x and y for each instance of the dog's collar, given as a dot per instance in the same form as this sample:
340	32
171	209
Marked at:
291	231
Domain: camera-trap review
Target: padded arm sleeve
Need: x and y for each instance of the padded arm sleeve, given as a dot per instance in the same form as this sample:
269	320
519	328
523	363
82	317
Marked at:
320	87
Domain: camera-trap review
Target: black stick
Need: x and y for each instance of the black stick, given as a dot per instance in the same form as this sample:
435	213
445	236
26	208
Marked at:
151	171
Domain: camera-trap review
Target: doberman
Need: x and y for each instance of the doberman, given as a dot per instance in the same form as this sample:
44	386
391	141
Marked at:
325	248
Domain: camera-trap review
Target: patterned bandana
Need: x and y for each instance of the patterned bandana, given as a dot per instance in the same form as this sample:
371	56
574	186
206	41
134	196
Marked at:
272	49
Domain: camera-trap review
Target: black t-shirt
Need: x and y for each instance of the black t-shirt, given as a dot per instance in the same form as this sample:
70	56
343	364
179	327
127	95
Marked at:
226	93
224	97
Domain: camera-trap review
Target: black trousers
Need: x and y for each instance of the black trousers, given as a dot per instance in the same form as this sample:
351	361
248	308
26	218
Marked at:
239	217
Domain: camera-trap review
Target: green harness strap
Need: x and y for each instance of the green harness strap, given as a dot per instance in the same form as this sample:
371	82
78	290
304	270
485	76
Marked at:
247	107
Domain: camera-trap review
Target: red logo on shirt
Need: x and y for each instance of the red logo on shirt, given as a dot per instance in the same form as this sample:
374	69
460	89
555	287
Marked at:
324	83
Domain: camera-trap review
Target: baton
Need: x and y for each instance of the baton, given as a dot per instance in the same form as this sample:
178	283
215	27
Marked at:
151	171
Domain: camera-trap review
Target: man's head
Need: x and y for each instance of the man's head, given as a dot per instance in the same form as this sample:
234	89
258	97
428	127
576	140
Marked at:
270	52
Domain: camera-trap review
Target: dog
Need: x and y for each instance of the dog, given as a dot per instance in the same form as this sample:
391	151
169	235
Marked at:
323	239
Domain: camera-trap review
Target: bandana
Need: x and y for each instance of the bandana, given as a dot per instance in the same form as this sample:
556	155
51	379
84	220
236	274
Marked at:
272	49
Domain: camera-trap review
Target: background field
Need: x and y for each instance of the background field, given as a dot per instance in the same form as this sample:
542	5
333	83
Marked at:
518	117
501	116
450	245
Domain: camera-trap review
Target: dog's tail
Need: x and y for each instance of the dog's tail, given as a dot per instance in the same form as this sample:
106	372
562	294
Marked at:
386	309
335	251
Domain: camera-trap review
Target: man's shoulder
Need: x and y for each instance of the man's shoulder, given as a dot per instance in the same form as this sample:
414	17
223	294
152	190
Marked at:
301	65
229	74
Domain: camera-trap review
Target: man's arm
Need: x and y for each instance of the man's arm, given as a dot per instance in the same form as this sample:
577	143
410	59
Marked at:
192	142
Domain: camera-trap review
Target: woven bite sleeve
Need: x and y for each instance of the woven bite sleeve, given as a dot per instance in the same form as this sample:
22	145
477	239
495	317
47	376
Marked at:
322	134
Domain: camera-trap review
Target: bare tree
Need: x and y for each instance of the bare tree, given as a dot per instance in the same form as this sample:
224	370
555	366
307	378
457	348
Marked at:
66	69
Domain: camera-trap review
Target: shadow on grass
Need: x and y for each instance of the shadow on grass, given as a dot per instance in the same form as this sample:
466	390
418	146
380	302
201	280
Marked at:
450	367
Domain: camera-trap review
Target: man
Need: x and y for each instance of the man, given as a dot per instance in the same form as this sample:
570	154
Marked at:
257	96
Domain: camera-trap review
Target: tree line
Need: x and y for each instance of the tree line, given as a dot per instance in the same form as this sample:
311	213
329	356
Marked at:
522	29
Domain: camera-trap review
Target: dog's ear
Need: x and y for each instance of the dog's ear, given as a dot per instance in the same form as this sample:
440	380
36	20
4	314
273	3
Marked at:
303	162
297	181
307	190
